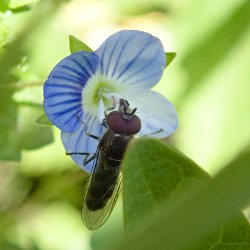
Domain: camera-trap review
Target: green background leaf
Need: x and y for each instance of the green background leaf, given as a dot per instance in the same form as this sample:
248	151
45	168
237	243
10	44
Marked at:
17	122
44	120
31	135
170	56
197	212
153	173
76	45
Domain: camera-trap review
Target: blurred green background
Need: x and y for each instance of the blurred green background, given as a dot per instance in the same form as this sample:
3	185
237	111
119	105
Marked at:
41	189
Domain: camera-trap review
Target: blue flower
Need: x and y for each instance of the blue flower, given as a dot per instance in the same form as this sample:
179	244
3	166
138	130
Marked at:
80	87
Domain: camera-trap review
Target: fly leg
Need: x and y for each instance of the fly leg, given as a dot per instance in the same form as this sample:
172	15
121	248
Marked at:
86	128
104	123
153	133
86	159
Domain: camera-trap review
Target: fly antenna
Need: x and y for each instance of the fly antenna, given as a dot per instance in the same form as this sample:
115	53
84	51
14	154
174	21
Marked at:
134	110
126	102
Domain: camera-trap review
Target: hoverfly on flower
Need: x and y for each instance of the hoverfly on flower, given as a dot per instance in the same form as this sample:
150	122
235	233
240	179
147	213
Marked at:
104	183
81	87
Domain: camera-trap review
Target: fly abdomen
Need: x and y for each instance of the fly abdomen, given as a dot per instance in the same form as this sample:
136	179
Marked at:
101	189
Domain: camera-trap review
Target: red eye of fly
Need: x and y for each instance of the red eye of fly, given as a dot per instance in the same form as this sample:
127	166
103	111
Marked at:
121	125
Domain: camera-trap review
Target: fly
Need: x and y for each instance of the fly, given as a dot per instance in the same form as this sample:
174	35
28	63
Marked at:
104	184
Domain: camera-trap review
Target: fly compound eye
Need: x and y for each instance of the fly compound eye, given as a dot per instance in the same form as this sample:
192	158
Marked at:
121	125
134	125
116	122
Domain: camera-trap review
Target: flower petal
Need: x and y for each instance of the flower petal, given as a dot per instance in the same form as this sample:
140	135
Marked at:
132	57
63	89
79	142
155	112
101	109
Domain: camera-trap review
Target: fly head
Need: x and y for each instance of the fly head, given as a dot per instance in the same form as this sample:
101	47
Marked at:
124	121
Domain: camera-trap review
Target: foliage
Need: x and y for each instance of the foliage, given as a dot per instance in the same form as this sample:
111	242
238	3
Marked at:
185	208
170	57
169	201
76	45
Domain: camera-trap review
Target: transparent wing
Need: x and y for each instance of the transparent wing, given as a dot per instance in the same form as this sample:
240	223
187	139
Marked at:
94	219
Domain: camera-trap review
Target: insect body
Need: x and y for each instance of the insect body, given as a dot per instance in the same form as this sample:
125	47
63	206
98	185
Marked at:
105	182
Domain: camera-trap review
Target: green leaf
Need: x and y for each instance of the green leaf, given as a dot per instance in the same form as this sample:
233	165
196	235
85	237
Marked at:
17	5
8	126
170	56
31	136
4	5
44	120
22	133
153	173
180	207
21	8
211	52
76	45
4	35
14	123
234	235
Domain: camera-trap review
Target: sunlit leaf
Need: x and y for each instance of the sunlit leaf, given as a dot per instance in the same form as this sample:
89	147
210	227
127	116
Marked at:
21	5
4	5
213	50
76	45
4	35
16	6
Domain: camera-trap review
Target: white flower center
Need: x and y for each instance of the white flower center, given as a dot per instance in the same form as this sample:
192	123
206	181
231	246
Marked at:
96	89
